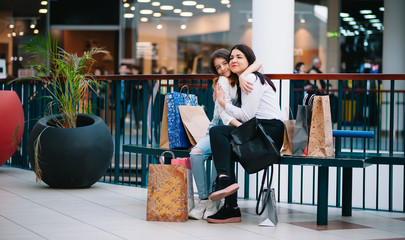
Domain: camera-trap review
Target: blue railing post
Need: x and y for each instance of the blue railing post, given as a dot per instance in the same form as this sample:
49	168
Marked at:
117	146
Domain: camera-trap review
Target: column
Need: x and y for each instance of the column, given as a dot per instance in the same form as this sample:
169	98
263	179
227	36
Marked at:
273	39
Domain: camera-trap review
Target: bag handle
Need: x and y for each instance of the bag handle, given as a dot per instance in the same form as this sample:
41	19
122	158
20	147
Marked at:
262	190
162	157
185	86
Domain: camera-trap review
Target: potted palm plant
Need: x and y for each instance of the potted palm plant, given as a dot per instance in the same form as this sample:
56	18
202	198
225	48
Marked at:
67	149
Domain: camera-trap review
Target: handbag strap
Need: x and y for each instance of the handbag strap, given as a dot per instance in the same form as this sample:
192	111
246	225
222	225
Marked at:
162	156
261	191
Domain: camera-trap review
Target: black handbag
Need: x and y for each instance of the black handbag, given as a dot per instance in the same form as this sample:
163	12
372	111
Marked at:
254	148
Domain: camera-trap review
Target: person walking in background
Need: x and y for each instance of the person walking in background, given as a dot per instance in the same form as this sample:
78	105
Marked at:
298	87
219	64
262	102
320	84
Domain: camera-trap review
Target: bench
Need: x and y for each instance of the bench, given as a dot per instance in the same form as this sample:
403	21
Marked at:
346	160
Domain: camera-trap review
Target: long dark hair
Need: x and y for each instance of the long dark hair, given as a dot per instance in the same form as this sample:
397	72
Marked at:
251	58
224	54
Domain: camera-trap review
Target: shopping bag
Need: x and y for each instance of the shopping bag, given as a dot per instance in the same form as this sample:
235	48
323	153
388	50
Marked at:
301	127
270	216
164	136
320	137
176	133
167	193
190	189
288	137
195	122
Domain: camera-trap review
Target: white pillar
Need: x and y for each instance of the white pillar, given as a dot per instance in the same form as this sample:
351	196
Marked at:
273	39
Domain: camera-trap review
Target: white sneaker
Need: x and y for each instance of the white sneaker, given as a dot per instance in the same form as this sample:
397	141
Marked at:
212	208
198	211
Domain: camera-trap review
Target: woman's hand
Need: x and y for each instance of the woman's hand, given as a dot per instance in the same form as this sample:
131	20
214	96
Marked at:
220	95
245	85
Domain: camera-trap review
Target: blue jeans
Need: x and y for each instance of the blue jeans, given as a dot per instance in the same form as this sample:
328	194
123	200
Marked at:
198	163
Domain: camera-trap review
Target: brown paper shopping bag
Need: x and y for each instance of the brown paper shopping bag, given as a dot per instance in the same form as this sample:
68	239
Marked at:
164	136
320	137
195	122
288	137
167	193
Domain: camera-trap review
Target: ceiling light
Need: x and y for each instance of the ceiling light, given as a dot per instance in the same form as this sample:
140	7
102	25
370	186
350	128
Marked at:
13	34
374	20
177	10
355	27
183	26
250	19
209	10
369	32
157	14
228	5
166	7
36	31
302	20
126	5
156	4
348	19
143	1
43	10
343	15
370	16
11	24
352	23
8	34
44	3
146	11
377	24
133	8
225	1
382	9
159	26
199	6
144	19
186	14
356	32
21	33
129	15
189	3
365	11
33	23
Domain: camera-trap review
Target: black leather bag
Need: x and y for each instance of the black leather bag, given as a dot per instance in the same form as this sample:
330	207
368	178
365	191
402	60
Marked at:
254	148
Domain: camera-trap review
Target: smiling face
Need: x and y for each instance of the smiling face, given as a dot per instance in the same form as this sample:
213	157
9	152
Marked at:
238	62
222	67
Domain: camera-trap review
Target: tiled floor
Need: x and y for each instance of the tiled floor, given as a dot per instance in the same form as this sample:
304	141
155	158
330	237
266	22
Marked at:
106	211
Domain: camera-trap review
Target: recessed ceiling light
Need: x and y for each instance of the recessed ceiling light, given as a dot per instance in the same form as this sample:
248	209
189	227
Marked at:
36	31
44	3
199	6
183	26
186	14
155	4
352	23
348	19
126	5
225	1
159	26
344	15
189	3
177	10
146	11
133	8
157	14
365	11
370	16
166	7
43	10
144	19
209	10
128	15
374	20
382	9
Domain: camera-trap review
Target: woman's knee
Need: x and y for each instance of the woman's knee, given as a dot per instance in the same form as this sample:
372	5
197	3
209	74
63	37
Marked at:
196	150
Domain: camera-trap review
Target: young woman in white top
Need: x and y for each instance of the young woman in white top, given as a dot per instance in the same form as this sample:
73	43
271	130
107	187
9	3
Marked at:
262	103
202	151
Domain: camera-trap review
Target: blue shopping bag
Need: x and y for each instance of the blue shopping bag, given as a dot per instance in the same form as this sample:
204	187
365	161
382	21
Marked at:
177	134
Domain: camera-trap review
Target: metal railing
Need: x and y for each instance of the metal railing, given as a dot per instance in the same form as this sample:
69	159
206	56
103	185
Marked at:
132	105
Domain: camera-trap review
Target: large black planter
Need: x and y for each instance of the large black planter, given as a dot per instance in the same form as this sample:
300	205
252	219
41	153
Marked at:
72	157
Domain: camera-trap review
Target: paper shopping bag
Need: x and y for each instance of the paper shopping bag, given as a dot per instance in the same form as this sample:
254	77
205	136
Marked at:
288	137
190	189
167	193
195	122
176	133
270	216
301	130
164	136
320	138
